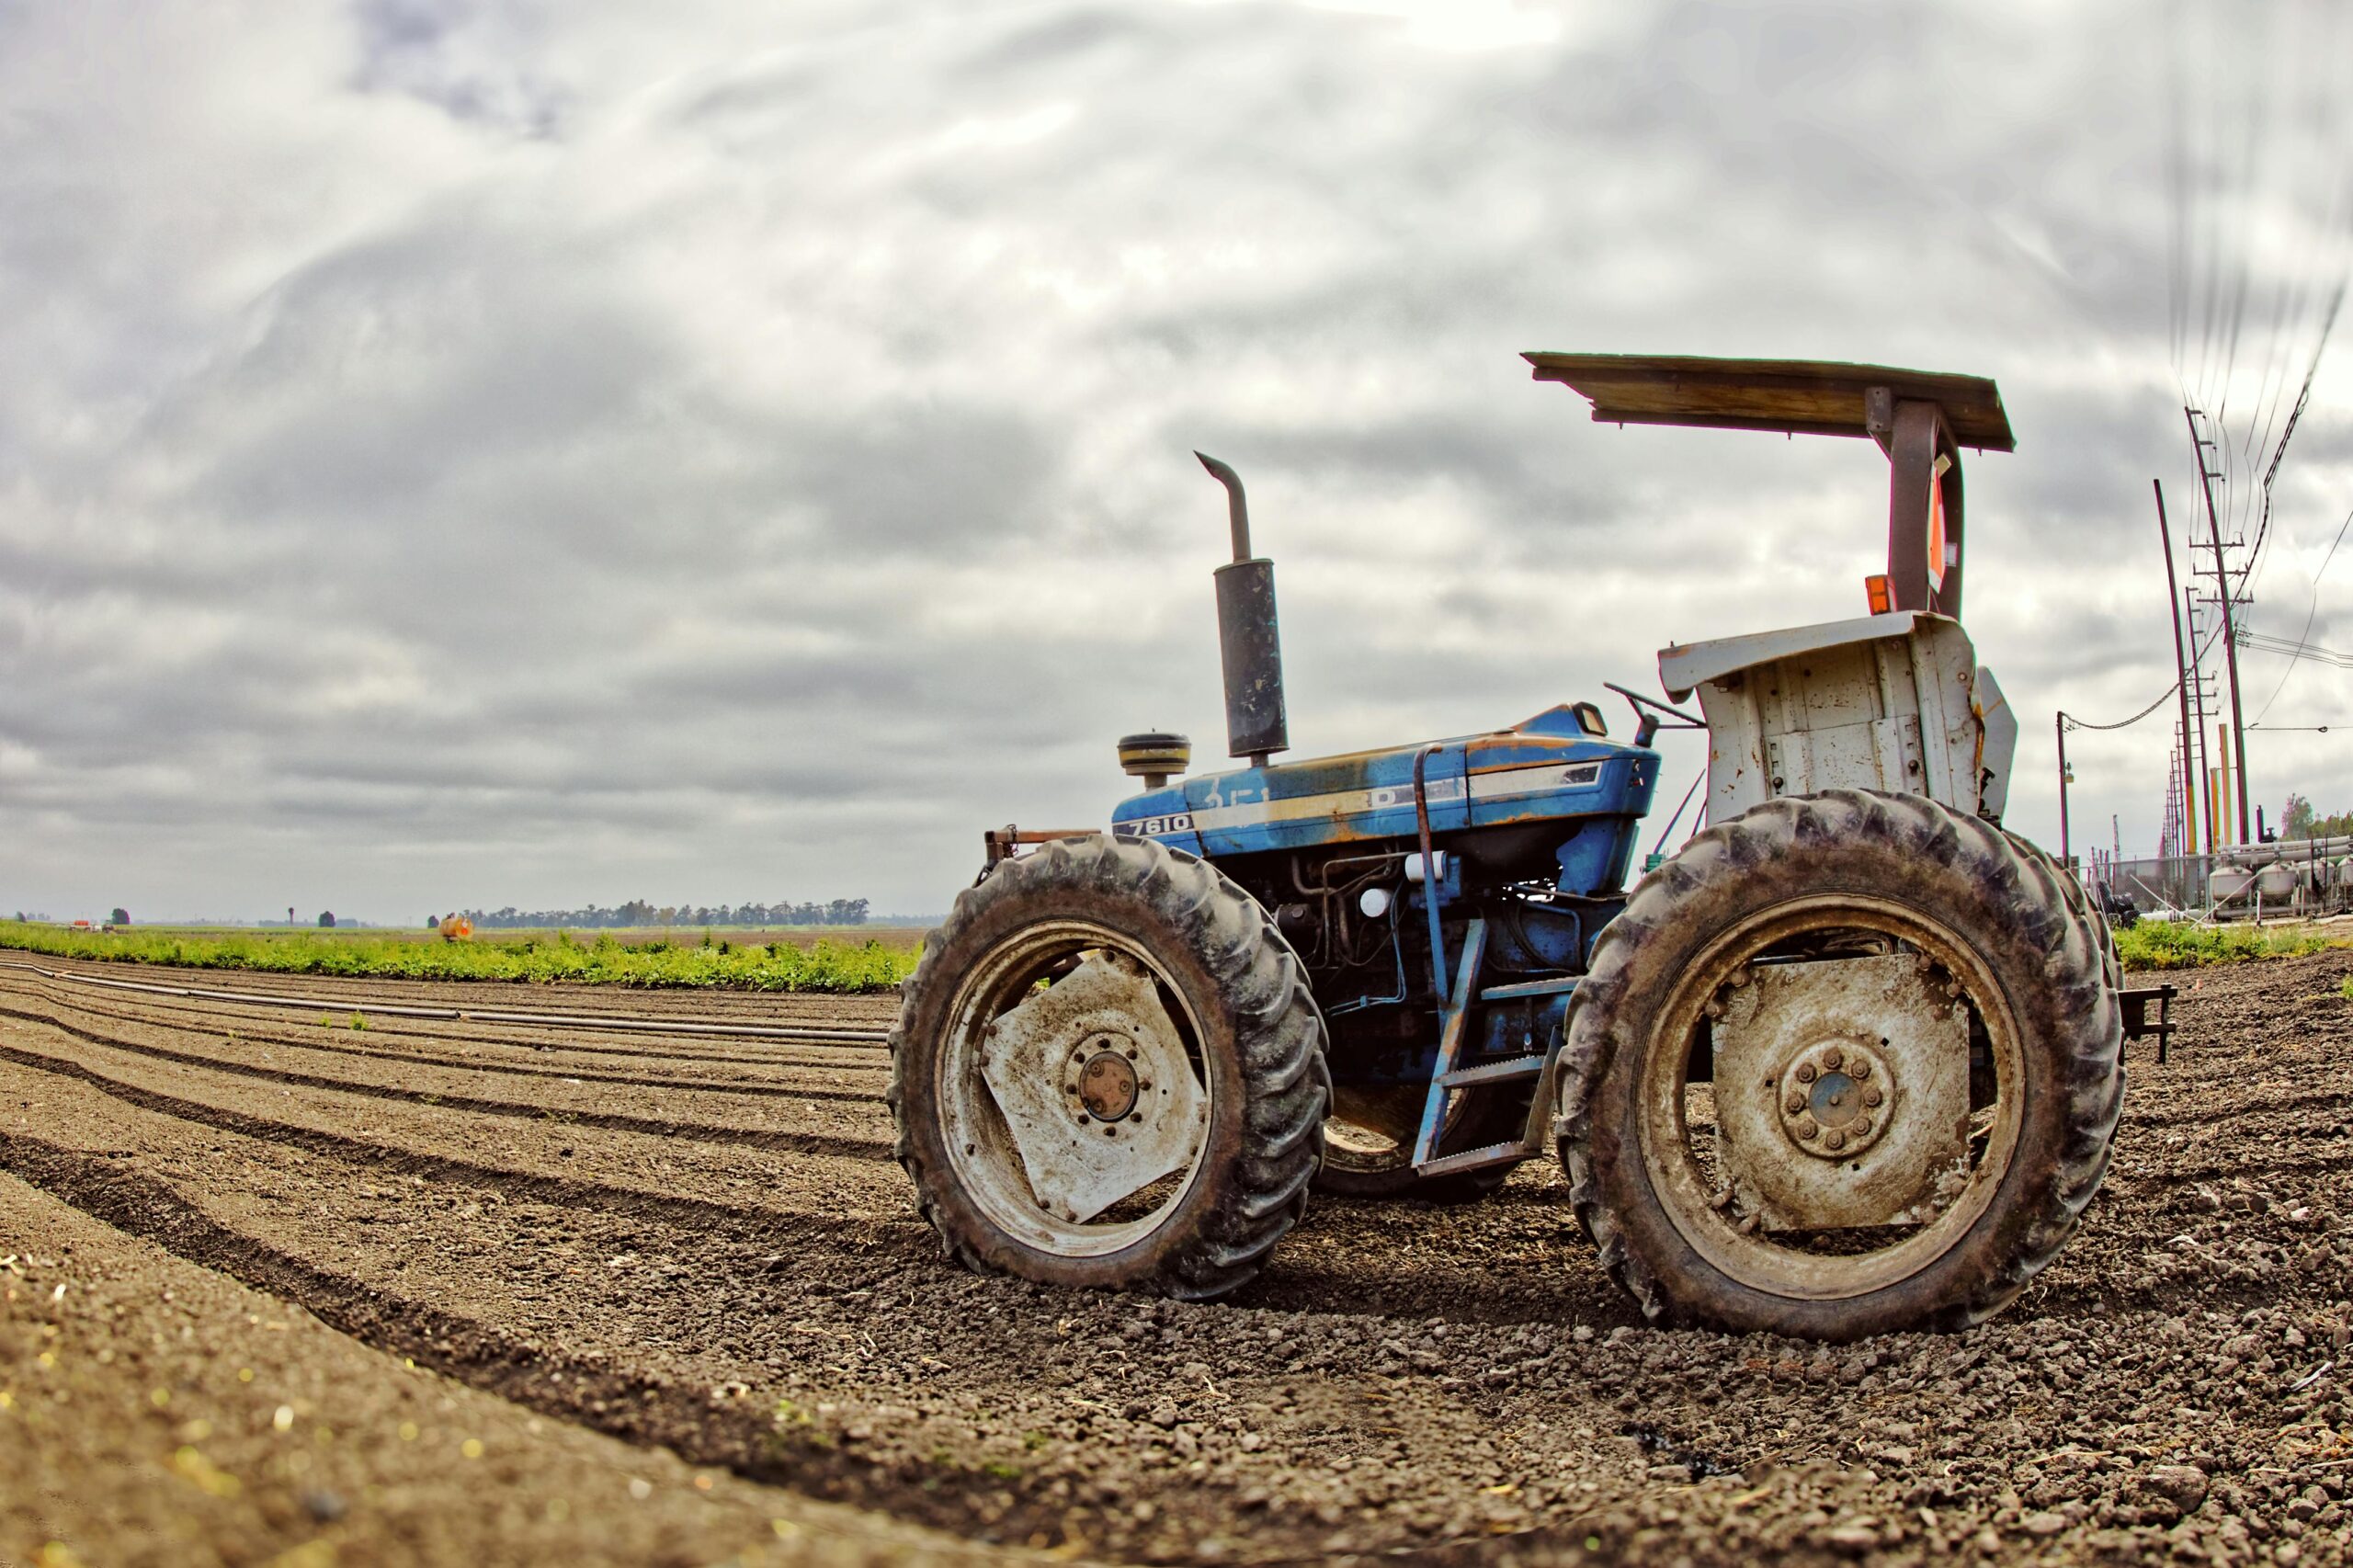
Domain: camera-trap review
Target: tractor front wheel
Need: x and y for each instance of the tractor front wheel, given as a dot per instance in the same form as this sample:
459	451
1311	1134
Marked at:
1108	1071
1849	1064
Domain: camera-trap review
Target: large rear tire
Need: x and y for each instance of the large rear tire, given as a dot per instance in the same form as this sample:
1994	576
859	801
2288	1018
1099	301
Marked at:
1176	980
1991	933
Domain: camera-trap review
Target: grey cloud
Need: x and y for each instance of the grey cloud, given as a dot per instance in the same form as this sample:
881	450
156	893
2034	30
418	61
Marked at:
423	49
599	450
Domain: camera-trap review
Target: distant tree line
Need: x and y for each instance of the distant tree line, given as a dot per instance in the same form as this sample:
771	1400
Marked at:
638	912
2300	822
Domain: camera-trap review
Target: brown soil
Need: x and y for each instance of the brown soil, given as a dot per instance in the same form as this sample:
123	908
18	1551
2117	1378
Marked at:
701	1244
152	1410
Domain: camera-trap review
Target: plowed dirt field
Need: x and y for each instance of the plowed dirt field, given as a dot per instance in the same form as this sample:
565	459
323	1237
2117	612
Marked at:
500	1267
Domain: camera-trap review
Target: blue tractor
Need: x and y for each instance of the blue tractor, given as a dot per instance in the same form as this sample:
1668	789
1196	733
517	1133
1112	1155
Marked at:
1848	1061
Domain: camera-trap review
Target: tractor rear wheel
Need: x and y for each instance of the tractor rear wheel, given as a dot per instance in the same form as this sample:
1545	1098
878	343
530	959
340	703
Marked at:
1849	1064
1108	1071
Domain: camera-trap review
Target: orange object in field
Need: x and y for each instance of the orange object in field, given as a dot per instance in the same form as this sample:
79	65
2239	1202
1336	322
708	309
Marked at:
457	928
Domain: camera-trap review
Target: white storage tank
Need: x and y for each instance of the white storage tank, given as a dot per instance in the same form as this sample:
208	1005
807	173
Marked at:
2278	881
2231	884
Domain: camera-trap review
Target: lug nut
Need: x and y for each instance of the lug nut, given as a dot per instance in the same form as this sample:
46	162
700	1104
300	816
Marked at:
1872	1096
1861	1069
1862	1127
1110	1132
1834	1059
1835	1141
1805	1072
1796	1106
1806	1128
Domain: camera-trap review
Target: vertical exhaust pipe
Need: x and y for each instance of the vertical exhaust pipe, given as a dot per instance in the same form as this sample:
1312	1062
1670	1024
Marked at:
1249	643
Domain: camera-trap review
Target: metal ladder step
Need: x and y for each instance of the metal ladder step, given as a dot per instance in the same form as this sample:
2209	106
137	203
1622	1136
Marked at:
1494	1072
1529	988
1450	1038
1473	1159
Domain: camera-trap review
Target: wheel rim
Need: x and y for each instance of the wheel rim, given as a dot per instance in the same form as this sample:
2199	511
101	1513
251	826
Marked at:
984	1140
1675	1131
1371	1131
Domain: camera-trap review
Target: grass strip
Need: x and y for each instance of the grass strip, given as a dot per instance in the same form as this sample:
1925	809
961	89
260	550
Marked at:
827	965
2165	943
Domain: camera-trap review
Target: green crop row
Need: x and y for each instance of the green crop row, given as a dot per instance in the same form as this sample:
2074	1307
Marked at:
2165	943
826	965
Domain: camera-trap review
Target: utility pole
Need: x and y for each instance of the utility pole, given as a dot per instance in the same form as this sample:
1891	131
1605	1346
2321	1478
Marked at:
2230	631
2194	748
2227	774
2188	840
2169	829
2059	720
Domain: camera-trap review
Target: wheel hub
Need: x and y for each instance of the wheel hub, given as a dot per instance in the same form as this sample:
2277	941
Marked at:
1838	1098
1105	1084
1093	1082
1841	1092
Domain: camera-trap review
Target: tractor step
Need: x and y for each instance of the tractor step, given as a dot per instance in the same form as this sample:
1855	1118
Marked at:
1529	988
1503	1072
1449	1036
1473	1159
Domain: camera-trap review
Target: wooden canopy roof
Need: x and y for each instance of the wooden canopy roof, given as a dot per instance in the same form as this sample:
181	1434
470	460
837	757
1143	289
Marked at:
1811	396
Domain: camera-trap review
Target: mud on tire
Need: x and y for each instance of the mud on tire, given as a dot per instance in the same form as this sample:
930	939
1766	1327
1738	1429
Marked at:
2052	967
1258	1041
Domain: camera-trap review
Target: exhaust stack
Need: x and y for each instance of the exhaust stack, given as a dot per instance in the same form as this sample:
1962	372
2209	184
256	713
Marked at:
1249	643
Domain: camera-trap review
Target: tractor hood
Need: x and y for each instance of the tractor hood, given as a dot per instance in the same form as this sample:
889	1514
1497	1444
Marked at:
1545	769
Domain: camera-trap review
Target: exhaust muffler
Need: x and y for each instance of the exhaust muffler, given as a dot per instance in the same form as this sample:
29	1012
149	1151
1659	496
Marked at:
1249	641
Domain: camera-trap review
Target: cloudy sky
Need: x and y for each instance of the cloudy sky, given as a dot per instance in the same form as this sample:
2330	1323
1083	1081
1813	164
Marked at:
546	453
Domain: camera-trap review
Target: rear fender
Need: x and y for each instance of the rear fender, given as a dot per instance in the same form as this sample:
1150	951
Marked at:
1895	703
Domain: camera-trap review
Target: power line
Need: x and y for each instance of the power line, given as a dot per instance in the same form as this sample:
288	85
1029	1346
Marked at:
2304	395
2310	610
2074	723
2259	643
